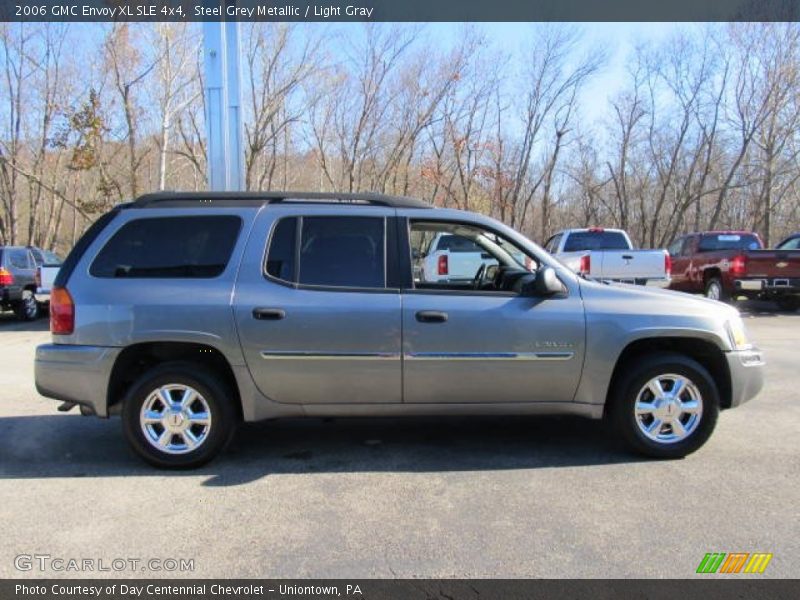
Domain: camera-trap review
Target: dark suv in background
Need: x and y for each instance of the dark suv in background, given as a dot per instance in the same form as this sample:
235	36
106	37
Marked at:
18	266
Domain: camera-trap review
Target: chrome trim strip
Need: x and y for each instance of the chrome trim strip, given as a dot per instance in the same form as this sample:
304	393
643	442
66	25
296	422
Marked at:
488	355
302	355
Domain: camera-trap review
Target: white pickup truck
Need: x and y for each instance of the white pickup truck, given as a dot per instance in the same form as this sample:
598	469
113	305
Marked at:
454	258
609	255
47	266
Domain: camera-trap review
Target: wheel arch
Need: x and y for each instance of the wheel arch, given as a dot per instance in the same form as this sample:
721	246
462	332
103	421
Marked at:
704	351
136	359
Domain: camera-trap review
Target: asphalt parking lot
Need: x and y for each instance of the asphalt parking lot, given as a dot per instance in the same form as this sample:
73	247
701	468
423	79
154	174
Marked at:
458	497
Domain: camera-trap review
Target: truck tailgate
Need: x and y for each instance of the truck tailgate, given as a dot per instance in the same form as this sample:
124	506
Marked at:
624	264
773	264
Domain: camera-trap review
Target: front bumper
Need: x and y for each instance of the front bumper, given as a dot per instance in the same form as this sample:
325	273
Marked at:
75	373
42	295
747	374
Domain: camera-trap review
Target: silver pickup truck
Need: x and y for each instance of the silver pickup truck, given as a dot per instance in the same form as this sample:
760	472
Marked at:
609	255
185	313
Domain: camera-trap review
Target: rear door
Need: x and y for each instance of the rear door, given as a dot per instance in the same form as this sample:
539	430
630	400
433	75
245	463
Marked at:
317	307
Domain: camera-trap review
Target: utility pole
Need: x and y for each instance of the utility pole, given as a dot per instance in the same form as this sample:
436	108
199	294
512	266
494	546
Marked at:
222	66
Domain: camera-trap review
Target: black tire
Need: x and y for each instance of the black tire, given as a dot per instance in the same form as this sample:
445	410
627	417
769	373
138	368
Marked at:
211	388
788	303
714	288
27	309
622	402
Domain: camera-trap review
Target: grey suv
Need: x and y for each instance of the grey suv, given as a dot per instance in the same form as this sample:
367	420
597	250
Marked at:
188	312
18	279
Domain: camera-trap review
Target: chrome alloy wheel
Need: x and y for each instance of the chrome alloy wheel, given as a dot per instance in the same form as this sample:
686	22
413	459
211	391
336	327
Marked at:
714	291
668	408
175	419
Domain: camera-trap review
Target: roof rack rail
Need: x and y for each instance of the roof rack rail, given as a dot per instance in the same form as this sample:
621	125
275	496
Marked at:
210	199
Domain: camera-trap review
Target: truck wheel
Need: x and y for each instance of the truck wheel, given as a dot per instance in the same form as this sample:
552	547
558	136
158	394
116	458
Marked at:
788	303
665	406
26	309
178	416
716	291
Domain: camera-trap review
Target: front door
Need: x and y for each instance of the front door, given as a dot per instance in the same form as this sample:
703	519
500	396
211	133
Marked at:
489	345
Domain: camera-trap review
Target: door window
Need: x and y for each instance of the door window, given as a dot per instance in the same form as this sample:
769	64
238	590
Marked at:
675	247
341	252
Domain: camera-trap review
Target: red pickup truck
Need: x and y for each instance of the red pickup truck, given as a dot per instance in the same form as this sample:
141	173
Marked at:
727	264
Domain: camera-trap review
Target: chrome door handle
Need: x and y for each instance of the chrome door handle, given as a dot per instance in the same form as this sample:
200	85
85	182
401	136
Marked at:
431	316
268	314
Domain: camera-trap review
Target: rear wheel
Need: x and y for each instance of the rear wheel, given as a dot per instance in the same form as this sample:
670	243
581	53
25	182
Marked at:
27	309
665	406
178	416
715	290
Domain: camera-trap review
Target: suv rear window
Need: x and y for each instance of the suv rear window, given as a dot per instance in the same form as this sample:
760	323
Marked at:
596	240
169	247
333	252
457	243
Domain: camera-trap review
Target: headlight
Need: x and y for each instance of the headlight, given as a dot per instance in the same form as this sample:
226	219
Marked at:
737	334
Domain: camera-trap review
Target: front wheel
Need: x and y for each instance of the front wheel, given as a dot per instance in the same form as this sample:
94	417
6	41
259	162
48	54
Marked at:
665	406
178	416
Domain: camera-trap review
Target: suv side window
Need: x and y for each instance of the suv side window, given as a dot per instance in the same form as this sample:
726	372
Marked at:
169	247
20	259
342	252
282	251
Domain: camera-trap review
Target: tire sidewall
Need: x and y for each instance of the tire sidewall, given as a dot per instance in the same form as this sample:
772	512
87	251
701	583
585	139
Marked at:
216	394
715	281
27	309
623	409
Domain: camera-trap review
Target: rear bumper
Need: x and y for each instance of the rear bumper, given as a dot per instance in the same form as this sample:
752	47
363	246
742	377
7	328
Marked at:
75	374
747	374
773	286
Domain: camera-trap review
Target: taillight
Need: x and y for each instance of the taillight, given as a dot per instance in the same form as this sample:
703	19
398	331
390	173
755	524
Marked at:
443	268
586	265
6	278
667	264
738	266
62	311
38	277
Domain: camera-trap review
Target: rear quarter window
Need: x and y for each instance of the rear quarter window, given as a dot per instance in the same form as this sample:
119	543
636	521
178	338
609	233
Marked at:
169	247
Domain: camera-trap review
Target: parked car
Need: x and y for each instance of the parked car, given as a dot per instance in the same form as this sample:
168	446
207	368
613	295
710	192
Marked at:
18	280
609	255
451	257
45	276
727	264
187	312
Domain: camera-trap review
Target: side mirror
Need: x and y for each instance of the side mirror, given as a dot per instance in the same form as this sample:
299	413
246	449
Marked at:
546	283
416	254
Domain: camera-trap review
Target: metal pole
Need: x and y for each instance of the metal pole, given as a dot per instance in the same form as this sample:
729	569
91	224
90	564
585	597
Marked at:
216	105
234	125
222	65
